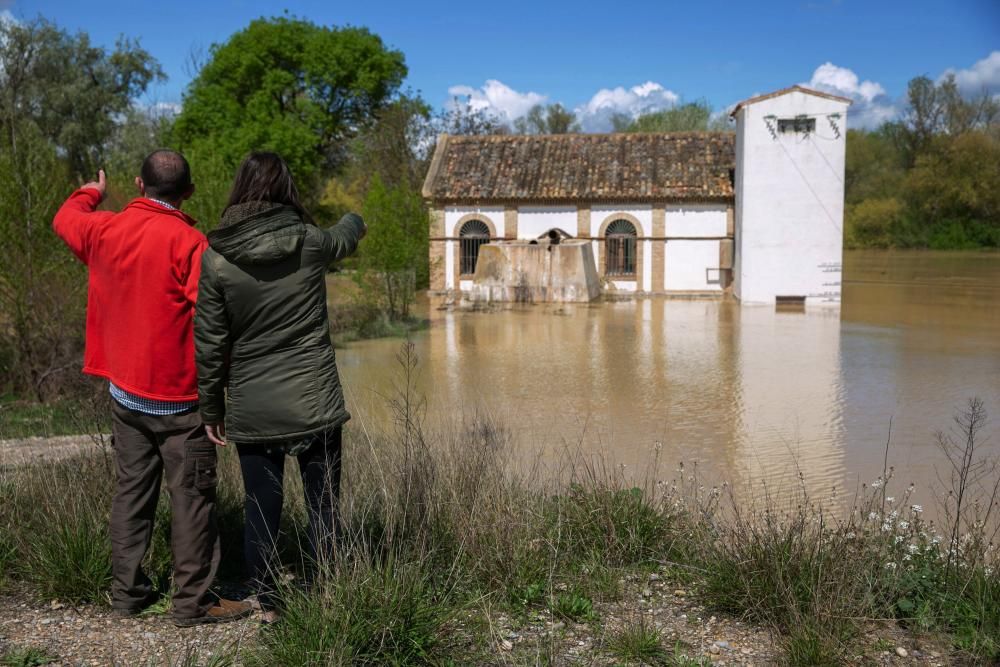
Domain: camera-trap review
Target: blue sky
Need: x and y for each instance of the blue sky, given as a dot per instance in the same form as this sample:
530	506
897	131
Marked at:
600	58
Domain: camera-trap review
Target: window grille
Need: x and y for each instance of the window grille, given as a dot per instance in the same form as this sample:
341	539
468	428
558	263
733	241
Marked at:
799	124
473	234
619	249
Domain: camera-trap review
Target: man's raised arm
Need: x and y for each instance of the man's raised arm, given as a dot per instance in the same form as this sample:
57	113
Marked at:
78	217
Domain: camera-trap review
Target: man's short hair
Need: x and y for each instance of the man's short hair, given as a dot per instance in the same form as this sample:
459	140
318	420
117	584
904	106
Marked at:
166	174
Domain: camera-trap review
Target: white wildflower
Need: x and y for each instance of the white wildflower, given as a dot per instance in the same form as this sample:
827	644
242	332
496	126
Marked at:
907	557
916	509
877	484
899	538
887	526
890	499
872	516
913	548
890	566
904	524
850	535
893	514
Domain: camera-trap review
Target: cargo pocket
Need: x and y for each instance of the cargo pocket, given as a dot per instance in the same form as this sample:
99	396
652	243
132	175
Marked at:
201	474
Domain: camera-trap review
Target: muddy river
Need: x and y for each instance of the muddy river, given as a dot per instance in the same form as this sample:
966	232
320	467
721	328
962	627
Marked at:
752	394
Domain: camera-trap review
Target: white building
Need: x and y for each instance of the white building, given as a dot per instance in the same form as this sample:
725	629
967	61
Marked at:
758	214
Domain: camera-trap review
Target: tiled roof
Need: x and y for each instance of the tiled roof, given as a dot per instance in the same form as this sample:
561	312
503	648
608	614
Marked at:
691	166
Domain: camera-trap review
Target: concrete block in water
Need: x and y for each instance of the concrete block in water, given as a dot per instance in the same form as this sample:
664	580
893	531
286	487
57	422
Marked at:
524	272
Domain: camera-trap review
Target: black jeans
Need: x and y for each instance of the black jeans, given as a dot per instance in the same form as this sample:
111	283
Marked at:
263	466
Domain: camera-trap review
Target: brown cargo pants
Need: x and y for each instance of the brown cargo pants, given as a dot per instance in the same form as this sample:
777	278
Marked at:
147	448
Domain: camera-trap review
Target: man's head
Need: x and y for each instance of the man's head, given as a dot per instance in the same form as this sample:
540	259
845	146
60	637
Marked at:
165	175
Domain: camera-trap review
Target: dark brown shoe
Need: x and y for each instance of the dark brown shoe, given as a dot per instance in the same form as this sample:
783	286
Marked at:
128	612
222	612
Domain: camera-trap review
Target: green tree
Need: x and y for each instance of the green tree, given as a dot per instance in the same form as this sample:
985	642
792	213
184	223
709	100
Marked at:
955	189
874	166
397	147
290	86
551	119
61	103
935	109
71	92
462	118
395	254
691	117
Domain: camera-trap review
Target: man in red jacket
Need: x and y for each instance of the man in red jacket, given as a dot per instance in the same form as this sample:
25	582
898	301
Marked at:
144	264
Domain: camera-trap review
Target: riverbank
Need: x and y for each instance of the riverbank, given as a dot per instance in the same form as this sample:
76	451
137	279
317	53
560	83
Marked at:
449	557
653	623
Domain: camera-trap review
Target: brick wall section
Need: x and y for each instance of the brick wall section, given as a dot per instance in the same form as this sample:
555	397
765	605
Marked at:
659	249
582	221
510	222
437	250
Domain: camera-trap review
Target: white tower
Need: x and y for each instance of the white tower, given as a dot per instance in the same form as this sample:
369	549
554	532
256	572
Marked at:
789	226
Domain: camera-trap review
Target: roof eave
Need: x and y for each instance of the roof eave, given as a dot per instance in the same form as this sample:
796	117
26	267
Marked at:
786	91
435	167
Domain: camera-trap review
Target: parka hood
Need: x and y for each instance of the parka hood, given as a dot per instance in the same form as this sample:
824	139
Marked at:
258	233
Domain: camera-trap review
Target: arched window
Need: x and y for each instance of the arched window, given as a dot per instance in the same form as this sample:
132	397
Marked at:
473	234
619	249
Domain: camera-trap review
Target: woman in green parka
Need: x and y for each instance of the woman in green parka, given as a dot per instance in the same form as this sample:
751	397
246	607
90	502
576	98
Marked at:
262	341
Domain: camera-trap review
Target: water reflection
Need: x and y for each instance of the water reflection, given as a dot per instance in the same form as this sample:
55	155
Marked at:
754	395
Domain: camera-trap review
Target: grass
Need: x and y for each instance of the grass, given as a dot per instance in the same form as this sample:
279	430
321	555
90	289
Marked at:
639	643
26	656
438	529
25	419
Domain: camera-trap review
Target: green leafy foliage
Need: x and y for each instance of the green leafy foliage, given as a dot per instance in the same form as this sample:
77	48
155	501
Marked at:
27	656
690	117
290	86
67	89
550	119
930	179
60	101
573	606
394	258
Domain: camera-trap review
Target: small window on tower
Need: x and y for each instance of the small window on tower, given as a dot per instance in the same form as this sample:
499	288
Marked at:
799	124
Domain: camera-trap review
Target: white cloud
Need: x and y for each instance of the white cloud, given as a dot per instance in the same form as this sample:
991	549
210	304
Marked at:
167	109
498	98
984	75
595	115
872	105
845	81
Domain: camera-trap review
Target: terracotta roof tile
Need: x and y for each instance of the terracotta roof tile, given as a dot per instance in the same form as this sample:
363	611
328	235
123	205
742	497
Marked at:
582	167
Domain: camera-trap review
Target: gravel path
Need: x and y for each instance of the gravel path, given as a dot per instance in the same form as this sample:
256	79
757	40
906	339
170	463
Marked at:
20	451
91	635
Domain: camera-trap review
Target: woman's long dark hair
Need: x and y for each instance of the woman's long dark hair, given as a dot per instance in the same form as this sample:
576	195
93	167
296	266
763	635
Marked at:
264	176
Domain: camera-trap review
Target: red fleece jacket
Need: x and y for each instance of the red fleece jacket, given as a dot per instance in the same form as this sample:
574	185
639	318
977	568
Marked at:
144	267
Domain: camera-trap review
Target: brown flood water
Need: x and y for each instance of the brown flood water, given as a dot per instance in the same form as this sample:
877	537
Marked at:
751	394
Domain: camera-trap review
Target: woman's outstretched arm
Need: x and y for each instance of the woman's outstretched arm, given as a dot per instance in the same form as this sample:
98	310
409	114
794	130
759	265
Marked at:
342	239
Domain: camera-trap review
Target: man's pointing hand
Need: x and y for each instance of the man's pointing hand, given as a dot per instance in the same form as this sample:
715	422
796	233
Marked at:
101	184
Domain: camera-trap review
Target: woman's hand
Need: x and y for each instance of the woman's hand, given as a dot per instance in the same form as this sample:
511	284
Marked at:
216	433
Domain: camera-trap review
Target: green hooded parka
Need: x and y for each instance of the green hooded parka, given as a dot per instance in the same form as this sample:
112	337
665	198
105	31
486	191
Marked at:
261	329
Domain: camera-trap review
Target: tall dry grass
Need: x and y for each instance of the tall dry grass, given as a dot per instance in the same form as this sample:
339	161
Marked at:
440	532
